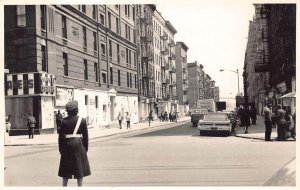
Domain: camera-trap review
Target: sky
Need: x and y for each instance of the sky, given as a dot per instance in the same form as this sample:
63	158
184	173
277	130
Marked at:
216	33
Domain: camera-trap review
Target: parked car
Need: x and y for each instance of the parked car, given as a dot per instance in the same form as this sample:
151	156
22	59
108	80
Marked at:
215	122
196	115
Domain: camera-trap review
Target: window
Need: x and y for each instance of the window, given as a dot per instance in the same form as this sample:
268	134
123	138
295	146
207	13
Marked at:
104	75
118	52
130	80
109	20
127	79
103	51
126	31
95	41
119	78
110	48
129	29
135	81
133	11
43	11
117	25
65	63
127	56
83	9
96	71
85	69
94	12
126	11
44	61
64	26
21	15
134	59
96	101
86	99
111	75
102	19
84	36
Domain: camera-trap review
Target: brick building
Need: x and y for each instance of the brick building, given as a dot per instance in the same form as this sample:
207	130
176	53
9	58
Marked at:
270	60
181	77
56	53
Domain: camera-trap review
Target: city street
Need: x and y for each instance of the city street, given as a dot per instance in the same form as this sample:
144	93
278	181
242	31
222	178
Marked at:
175	156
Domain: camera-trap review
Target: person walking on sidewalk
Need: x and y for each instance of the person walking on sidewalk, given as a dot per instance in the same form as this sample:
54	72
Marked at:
281	124
150	117
73	146
233	121
128	120
120	119
268	122
253	113
293	131
245	118
30	124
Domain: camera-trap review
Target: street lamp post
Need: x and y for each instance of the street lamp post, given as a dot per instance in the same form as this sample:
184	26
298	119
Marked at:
237	71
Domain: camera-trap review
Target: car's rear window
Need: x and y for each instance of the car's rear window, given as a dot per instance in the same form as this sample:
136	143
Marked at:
216	117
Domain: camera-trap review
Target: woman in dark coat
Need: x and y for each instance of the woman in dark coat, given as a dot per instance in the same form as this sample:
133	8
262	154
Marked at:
73	148
245	119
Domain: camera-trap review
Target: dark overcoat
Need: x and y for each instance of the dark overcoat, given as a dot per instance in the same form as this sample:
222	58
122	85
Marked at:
74	160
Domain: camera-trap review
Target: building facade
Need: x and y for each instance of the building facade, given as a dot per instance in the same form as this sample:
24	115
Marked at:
164	64
270	61
195	83
181	77
146	72
56	53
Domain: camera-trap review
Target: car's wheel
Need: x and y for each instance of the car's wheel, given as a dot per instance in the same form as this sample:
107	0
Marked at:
202	133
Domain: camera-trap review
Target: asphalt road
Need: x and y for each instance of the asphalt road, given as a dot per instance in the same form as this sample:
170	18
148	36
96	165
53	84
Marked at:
175	156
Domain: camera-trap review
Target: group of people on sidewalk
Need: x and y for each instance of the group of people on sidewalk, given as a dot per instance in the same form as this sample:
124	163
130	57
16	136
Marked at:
243	116
281	119
127	119
165	117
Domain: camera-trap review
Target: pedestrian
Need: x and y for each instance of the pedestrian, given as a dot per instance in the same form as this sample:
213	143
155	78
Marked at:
128	120
166	116
150	117
31	124
233	121
268	122
281	124
175	116
120	119
289	120
73	146
253	113
293	131
245	118
59	118
162	116
170	116
7	128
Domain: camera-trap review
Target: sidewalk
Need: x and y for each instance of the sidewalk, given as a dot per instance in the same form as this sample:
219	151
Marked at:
94	133
258	131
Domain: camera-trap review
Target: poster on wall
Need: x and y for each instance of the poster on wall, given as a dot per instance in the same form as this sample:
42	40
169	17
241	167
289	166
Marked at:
63	95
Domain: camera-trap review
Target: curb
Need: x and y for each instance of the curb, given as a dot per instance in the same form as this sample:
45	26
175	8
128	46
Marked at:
109	135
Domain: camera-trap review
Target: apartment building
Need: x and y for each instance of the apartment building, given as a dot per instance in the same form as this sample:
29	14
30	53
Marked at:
270	61
56	53
164	64
181	77
146	71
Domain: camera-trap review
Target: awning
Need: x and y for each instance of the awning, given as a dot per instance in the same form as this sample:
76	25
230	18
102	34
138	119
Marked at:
289	95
